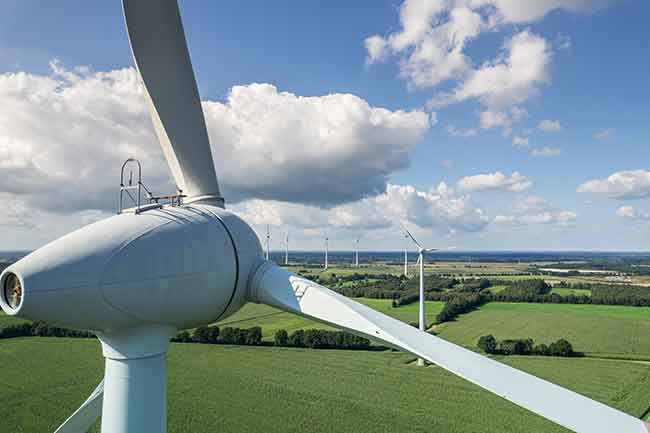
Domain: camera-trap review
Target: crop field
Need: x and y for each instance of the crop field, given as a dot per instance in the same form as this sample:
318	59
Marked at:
265	389
271	319
598	330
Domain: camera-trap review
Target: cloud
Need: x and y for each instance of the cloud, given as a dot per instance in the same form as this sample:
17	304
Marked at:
510	79
319	150
495	181
434	34
563	42
546	152
605	135
536	210
631	184
549	125
439	209
63	132
516	11
629	212
455	132
520	141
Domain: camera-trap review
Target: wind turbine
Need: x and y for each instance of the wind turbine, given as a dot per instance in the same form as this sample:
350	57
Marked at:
421	252
356	254
130	280
268	241
286	248
327	247
406	256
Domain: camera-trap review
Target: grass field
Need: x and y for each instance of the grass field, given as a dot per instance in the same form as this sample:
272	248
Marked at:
575	292
594	329
263	389
271	319
9	320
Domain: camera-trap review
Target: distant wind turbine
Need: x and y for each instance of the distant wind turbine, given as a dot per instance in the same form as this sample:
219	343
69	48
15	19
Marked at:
356	254
406	257
421	252
286	249
327	245
268	241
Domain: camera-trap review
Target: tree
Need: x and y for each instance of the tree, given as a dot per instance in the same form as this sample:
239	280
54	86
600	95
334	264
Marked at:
281	337
561	348
488	344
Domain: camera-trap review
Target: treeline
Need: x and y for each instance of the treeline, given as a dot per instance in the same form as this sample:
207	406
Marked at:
215	335
386	286
320	339
41	329
525	346
460	304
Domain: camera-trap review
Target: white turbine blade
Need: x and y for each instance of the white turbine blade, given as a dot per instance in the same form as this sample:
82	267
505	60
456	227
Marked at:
430	250
84	417
408	233
160	53
277	287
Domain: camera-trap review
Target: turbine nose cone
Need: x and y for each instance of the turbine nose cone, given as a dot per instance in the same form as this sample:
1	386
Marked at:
11	295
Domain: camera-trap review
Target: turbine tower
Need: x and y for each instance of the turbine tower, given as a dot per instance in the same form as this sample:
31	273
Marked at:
327	247
136	278
356	254
286	248
268	241
406	257
421	252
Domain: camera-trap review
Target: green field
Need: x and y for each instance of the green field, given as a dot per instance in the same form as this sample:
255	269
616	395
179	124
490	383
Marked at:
597	330
575	292
271	319
9	320
264	389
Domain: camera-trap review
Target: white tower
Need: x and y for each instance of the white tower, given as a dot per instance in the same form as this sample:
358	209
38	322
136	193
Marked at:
286	249
406	258
327	246
268	241
356	254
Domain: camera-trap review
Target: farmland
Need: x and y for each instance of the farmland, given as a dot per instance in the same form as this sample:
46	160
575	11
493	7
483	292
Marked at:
598	330
229	388
235	389
271	319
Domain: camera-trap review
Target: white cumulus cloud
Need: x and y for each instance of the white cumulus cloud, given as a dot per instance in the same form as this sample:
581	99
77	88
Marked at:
631	213
629	184
64	135
547	125
496	181
536	210
546	152
441	209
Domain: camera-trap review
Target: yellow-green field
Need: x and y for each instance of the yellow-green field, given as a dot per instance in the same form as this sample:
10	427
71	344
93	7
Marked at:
230	389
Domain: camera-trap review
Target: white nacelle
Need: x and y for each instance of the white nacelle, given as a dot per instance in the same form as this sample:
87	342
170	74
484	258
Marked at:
180	266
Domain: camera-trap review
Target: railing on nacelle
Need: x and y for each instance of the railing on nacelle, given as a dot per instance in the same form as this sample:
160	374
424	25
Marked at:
133	191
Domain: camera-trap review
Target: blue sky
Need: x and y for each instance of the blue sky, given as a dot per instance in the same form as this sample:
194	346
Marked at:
591	89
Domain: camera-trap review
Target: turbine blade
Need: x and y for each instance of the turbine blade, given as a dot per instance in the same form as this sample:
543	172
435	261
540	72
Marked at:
279	288
408	233
84	417
160	52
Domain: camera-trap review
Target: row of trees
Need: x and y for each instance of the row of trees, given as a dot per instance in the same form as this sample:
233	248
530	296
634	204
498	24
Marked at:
525	346
460	304
40	329
320	339
214	335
